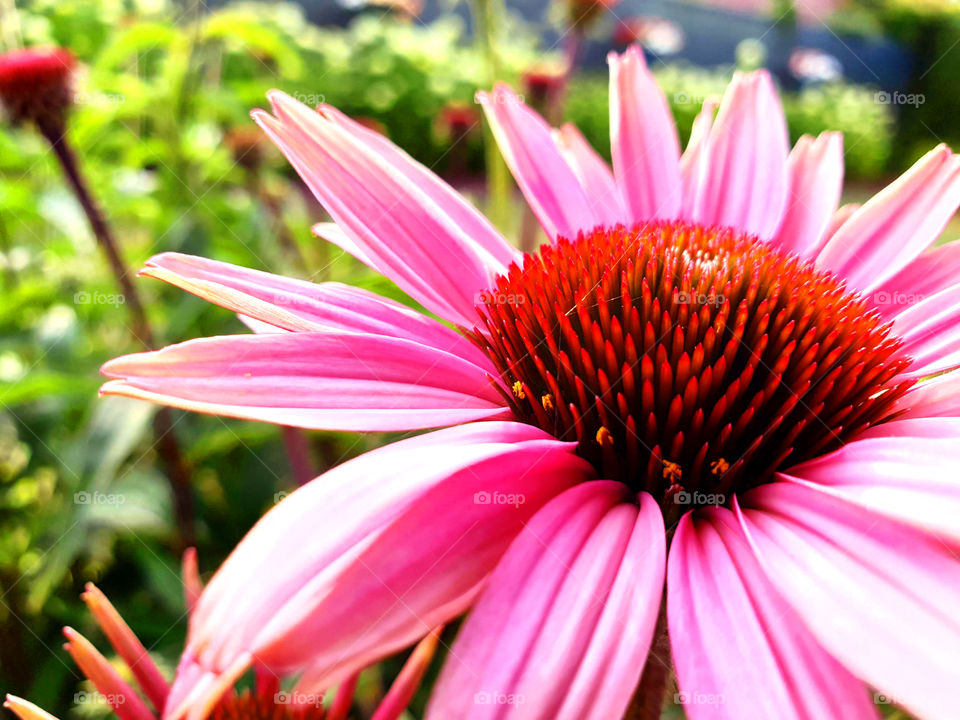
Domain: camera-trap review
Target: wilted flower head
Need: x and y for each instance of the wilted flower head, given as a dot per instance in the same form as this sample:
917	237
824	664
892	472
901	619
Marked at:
582	13
246	145
542	82
36	84
457	119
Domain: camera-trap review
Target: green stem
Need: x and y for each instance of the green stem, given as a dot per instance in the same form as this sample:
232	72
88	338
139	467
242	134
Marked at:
486	14
651	692
167	445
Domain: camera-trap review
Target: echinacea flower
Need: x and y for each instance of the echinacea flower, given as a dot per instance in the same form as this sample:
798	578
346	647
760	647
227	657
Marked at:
266	700
710	376
36	84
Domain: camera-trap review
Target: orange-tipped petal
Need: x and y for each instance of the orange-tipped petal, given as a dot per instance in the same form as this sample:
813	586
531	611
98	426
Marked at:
125	642
192	585
26	710
343	700
122	698
407	682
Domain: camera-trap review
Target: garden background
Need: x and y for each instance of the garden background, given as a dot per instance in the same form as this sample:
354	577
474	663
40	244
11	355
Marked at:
160	121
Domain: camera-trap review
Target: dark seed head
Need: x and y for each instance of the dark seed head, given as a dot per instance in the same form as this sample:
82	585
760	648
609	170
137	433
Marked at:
35	84
685	359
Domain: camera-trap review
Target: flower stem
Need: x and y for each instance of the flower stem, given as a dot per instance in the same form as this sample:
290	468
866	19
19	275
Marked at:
167	446
486	15
647	703
297	445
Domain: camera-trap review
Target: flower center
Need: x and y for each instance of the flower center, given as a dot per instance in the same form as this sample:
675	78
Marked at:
688	359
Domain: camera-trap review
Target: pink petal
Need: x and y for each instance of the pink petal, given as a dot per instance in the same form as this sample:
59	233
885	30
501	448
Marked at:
370	556
897	224
843	213
815	171
320	380
906	469
331	232
933	398
930	330
594	175
693	162
548	183
643	137
934	271
477	230
298	305
739	651
746	184
879	596
409	230
566	622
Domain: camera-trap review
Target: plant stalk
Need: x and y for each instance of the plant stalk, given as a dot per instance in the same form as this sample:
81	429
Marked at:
163	424
647	703
486	15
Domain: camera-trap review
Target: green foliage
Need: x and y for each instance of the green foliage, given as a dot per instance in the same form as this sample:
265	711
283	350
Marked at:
930	29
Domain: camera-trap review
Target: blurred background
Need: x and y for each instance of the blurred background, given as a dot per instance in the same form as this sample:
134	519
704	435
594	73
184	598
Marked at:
160	123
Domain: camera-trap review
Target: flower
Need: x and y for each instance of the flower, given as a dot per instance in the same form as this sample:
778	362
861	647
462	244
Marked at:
709	376
581	14
267	700
35	84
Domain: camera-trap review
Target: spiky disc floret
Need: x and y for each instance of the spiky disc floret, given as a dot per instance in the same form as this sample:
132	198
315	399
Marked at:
683	358
35	84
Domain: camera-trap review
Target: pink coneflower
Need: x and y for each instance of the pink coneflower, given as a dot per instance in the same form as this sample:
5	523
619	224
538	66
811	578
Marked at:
266	700
711	374
36	84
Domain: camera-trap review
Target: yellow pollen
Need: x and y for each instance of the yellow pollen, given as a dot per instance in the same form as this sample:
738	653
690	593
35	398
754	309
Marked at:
547	402
518	390
604	437
718	467
672	471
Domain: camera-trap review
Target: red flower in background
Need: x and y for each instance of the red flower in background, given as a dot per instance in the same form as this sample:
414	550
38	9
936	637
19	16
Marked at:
35	84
